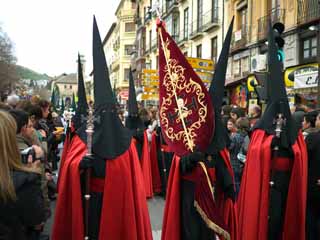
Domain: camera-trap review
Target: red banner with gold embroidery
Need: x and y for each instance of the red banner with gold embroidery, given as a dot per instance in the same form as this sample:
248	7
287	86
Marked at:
186	111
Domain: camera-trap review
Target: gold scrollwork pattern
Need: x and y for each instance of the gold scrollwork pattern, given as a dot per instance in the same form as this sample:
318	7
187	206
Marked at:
174	81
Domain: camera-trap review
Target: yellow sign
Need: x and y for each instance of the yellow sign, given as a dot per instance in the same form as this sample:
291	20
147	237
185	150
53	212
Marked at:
250	87
290	73
146	96
199	63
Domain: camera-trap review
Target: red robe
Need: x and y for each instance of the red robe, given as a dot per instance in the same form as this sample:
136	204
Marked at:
64	153
124	211
146	166
214	219
156	180
253	202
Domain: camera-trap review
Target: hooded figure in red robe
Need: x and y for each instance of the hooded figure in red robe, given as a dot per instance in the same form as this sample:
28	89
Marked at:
272	198
78	118
138	129
193	208
117	205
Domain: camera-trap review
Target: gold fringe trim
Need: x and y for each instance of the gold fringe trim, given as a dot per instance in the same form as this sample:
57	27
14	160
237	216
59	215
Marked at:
211	224
208	179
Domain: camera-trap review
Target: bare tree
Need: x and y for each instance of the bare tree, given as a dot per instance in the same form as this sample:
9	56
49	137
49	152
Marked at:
8	74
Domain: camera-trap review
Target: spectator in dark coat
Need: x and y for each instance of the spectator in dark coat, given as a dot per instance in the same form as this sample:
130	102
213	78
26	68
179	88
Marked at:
21	203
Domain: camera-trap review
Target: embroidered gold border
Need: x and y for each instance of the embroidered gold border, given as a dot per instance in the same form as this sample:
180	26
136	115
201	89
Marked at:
174	80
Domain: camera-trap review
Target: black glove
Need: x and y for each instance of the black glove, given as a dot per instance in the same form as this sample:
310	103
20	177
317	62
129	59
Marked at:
189	161
230	193
86	162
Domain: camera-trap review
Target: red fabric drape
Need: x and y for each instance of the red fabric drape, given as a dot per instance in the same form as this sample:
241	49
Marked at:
156	180
65	150
171	225
124	211
146	166
253	202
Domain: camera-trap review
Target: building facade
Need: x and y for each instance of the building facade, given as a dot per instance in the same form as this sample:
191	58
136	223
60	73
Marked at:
118	46
249	45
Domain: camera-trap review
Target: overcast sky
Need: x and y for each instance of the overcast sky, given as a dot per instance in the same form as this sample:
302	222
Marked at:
48	34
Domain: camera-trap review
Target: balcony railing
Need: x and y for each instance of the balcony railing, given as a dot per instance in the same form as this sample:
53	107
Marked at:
308	11
171	5
147	17
205	22
240	38
275	15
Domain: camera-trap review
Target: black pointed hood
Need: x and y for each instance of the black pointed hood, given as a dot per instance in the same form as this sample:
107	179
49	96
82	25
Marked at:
277	98
133	120
82	106
132	103
110	137
216	91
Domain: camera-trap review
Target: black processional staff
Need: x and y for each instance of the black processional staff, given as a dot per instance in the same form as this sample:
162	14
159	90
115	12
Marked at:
89	131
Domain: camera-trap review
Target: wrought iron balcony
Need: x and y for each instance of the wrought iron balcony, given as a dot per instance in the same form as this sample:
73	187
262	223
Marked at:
240	38
275	15
308	11
204	23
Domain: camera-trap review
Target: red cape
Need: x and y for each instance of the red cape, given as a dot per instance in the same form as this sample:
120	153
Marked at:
64	153
156	180
172	222
124	211
253	202
146	166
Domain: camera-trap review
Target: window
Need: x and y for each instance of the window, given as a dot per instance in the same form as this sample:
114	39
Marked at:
214	49
176	27
70	87
130	27
199	51
245	64
199	16
126	74
214	11
236	68
185	23
309	48
242	19
185	54
65	86
150	39
128	49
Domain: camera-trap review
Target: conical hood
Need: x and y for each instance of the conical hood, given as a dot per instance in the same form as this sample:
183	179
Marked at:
110	138
133	120
277	98
82	107
216	91
132	104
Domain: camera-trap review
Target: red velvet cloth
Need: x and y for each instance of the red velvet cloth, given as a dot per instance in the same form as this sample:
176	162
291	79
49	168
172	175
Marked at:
253	202
178	81
156	180
171	227
227	208
124	211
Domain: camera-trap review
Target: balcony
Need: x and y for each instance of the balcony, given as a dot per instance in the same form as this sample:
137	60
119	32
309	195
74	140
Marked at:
308	11
147	17
171	6
275	15
204	23
240	38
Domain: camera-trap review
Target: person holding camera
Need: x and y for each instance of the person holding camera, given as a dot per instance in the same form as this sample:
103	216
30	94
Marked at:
21	202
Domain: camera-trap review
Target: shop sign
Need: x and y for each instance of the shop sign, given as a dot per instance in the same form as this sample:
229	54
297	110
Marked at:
306	78
291	73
